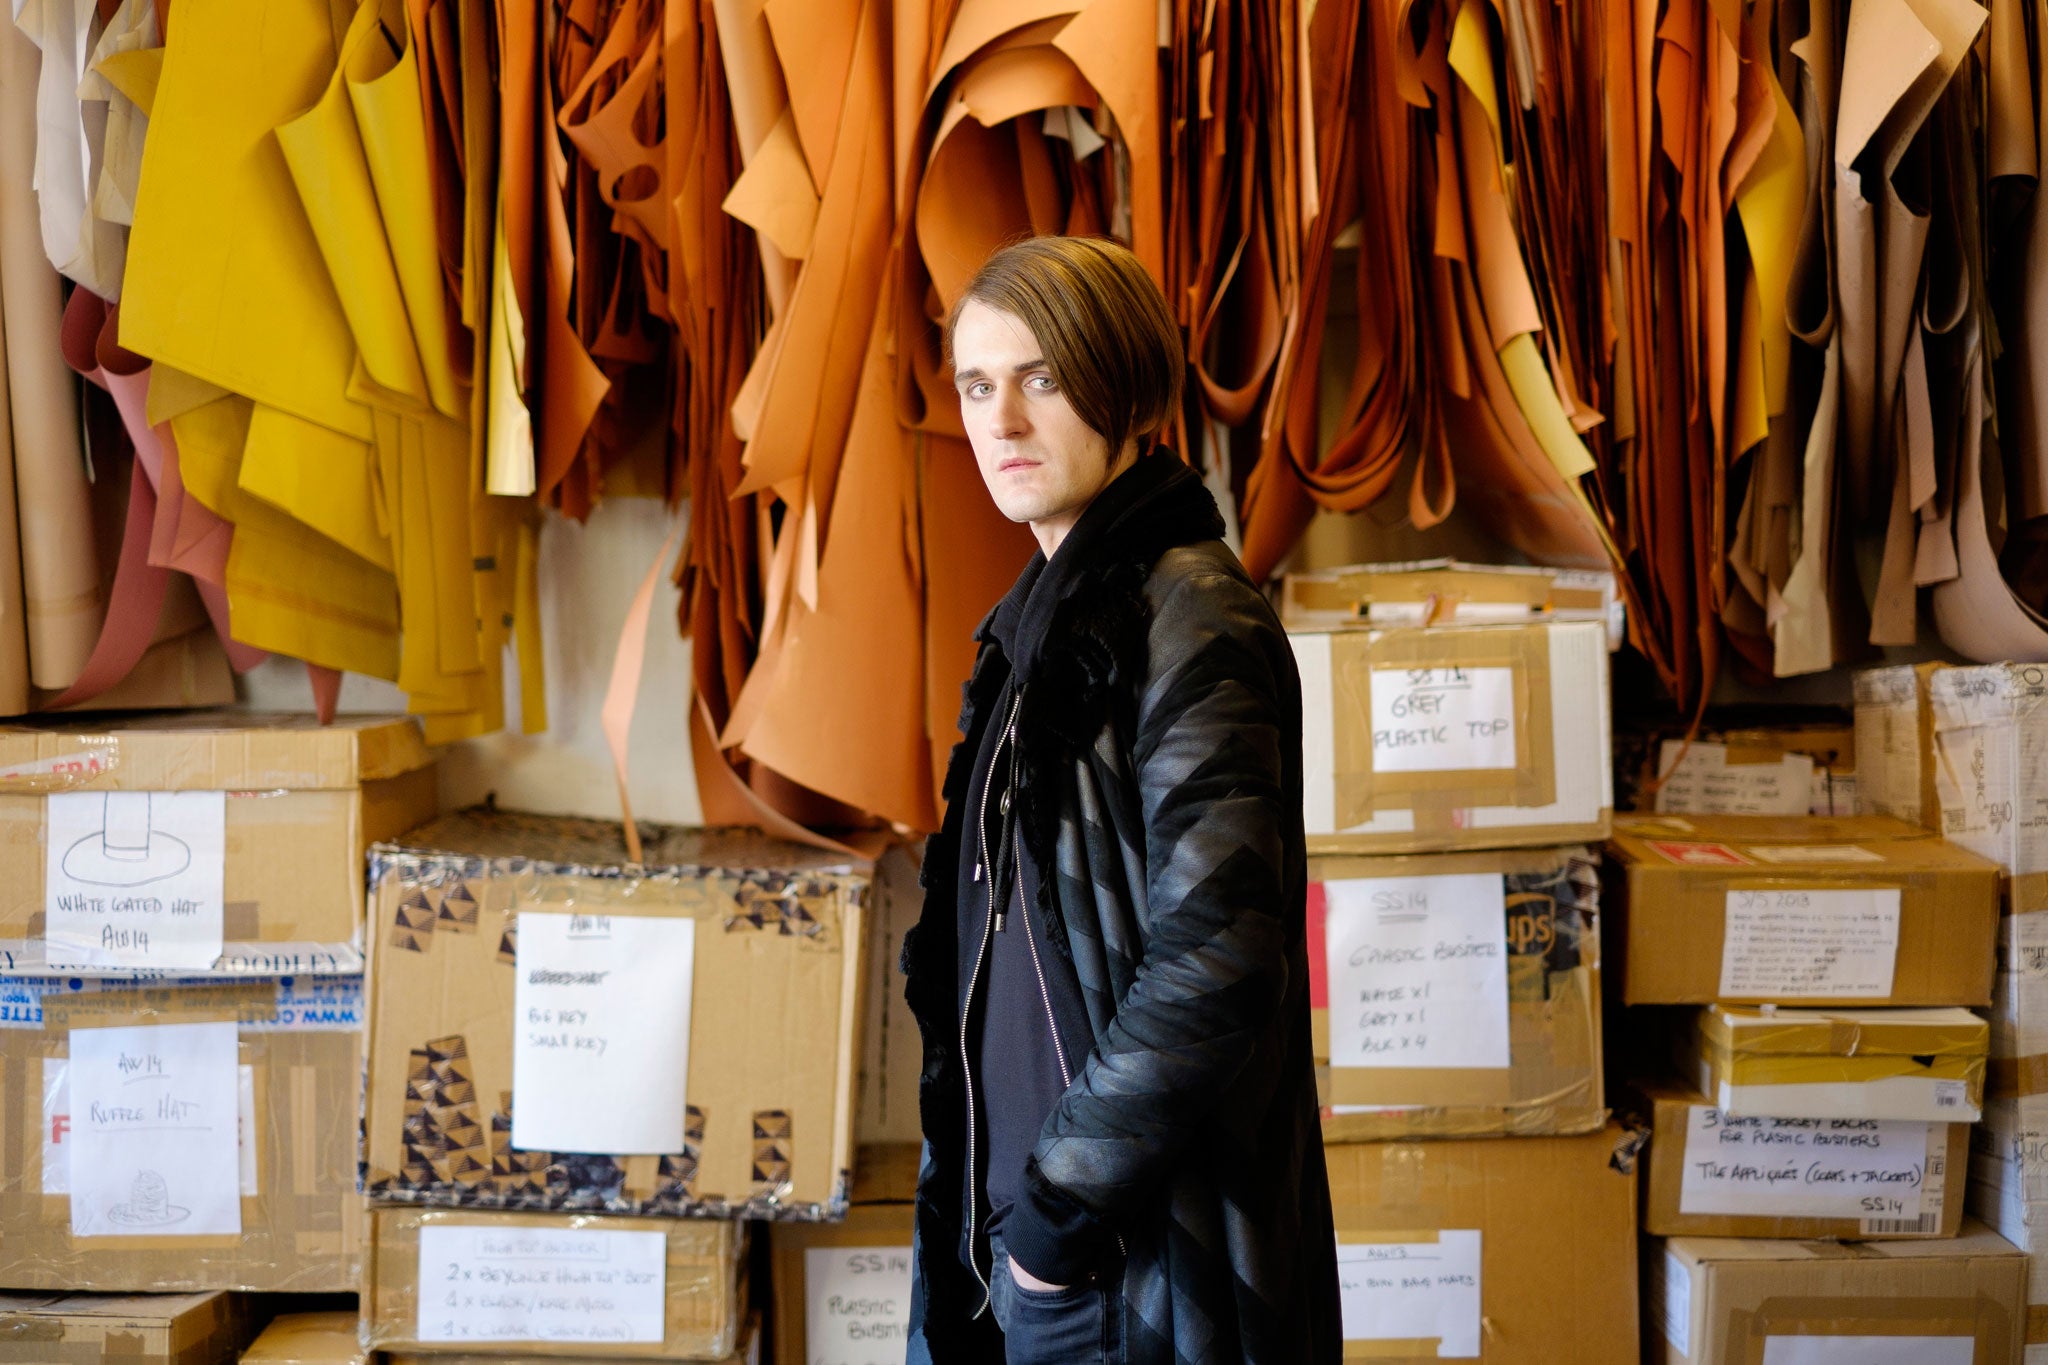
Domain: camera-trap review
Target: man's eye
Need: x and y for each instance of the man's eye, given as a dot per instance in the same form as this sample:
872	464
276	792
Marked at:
1044	383
979	390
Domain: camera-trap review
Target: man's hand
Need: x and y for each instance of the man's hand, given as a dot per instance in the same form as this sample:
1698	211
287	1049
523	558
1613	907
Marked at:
1026	1280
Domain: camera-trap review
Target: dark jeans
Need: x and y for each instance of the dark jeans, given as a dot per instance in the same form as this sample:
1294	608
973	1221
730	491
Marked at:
1079	1325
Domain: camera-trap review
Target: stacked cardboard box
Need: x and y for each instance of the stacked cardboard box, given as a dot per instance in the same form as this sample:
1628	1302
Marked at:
1454	775
1821	1079
181	1018
1985	735
583	1075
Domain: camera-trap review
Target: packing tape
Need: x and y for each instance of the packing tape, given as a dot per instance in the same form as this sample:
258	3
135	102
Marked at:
1981	1319
2017	1077
2037	1324
88	759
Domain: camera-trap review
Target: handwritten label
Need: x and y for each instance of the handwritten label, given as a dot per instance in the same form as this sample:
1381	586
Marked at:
1878	1350
1442	719
1803	1168
1413	1291
601	1056
57	1127
541	1284
856	1305
1418	971
1699	780
1809	943
154	1140
134	879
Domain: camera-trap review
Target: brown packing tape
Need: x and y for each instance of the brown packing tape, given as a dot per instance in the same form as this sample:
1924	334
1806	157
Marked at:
1361	790
2037	1324
1432	827
2026	893
1419	1348
1982	1319
2017	1077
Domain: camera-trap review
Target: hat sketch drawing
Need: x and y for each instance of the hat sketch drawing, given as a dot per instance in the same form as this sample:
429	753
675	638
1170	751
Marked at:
127	850
149	1204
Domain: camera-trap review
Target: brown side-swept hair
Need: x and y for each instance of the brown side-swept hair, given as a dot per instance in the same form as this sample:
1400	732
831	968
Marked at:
1108	336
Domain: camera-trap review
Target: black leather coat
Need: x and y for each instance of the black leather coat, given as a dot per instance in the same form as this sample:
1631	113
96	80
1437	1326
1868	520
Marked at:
1159	739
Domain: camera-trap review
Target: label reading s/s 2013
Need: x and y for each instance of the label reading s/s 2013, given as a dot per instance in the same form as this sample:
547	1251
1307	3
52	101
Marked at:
1791	943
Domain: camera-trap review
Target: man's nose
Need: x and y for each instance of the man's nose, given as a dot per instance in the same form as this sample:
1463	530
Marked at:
1006	416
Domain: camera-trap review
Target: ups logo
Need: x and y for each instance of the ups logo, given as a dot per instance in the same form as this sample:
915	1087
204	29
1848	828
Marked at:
1532	923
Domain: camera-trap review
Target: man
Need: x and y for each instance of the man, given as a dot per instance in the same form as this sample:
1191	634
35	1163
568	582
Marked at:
1122	1162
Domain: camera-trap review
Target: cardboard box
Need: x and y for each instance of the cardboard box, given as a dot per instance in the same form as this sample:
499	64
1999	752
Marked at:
850	1279
443	1281
1448	592
1715	1175
300	1046
1412	1030
748	1352
1424	740
755	947
302	804
1788	770
1991	769
1895	769
892	1049
1839	1064
1734	1302
1746	909
2009	1191
2019	1008
137	1329
1530	1245
308	1339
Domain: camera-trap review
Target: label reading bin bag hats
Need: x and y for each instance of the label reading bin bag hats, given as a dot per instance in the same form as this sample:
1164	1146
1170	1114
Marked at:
1413	1292
601	1042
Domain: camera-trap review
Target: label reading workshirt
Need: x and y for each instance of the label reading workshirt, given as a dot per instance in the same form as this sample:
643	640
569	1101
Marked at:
541	1284
1413	1291
1442	719
601	1051
856	1305
1816	944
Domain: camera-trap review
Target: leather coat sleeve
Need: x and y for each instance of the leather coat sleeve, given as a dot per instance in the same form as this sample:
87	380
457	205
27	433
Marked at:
1216	718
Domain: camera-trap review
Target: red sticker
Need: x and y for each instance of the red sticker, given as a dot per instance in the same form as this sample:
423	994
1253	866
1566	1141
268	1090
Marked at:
1701	855
1318	963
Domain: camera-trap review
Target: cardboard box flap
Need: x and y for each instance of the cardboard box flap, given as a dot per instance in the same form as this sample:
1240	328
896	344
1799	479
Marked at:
1439	591
561	845
308	1339
207	751
1750	1031
1975	1239
1817	831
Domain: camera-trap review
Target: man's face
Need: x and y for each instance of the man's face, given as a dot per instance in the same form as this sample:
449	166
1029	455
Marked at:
1042	463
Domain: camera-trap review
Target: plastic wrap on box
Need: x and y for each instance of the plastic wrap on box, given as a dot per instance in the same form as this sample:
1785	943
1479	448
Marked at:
773	1059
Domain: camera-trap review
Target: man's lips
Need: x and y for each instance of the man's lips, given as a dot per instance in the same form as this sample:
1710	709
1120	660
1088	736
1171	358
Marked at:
1015	463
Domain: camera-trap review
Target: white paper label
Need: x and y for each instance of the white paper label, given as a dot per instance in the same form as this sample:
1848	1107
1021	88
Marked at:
541	1284
1804	943
601	1059
1869	1350
1418	971
1442	719
856	1305
154	1112
1952	1095
1803	1168
1813	853
57	1128
1675	1305
1413	1291
133	879
1703	782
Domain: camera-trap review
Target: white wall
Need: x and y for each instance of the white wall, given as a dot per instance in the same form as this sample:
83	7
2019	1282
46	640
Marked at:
588	574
